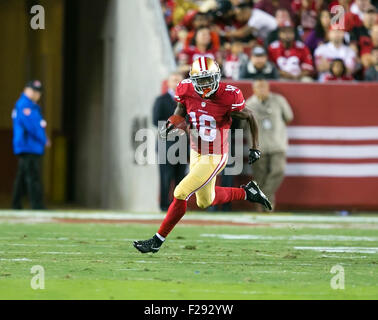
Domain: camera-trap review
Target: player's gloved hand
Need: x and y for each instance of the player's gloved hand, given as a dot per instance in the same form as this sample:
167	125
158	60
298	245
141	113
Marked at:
168	127
254	155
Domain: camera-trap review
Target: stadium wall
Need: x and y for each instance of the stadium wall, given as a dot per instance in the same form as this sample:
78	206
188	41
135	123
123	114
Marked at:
138	57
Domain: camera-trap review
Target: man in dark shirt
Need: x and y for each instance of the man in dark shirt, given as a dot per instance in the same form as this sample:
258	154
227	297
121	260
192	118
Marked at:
29	142
361	36
371	74
258	66
282	15
163	108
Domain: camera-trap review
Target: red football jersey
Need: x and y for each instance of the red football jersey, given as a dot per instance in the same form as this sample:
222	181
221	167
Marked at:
291	60
210	119
330	77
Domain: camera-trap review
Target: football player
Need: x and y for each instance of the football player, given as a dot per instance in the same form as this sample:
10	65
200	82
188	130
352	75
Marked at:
209	105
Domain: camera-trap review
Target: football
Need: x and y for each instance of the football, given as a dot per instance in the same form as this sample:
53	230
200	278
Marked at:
178	122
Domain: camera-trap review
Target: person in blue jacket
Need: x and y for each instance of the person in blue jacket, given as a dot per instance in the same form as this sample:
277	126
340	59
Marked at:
29	142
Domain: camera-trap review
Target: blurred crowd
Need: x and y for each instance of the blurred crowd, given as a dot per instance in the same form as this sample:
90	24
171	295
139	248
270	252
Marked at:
302	40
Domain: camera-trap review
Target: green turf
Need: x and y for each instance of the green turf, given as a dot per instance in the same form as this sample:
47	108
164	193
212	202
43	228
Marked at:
97	261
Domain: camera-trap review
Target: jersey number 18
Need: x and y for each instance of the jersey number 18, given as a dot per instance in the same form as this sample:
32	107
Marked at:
207	126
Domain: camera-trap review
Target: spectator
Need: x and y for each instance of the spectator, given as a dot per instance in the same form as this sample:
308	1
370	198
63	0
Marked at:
366	50
333	49
305	12
272	6
320	34
223	16
29	142
258	67
201	47
262	23
354	16
201	20
337	71
179	46
273	113
254	23
163	108
181	8
361	36
282	16
233	61
292	58
185	23
358	7
371	74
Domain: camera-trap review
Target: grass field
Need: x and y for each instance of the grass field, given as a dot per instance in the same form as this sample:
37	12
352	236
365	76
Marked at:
218	257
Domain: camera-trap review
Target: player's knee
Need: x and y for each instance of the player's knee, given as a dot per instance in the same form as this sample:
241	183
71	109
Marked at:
203	204
180	194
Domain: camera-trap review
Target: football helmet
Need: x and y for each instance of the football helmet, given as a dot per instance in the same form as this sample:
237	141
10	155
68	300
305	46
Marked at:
205	75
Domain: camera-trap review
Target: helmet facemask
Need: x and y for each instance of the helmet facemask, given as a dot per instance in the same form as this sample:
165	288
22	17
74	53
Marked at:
206	84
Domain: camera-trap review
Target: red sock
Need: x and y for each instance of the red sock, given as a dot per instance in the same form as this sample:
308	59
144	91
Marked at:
175	212
225	195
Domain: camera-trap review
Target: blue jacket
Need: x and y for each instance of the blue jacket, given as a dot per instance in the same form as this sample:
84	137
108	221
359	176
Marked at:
29	135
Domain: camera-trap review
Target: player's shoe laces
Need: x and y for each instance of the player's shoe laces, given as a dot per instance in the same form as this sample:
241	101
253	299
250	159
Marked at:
150	245
254	194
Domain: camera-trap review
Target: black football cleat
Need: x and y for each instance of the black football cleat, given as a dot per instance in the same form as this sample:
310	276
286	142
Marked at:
254	194
151	245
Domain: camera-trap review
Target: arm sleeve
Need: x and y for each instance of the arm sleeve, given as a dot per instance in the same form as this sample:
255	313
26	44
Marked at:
350	60
238	101
180	92
287	113
365	48
271	22
32	124
307	62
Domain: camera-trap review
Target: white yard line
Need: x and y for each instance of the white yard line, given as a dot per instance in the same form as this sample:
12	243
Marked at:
39	245
343	257
57	252
129	269
17	259
341	249
233	292
290	238
241	218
